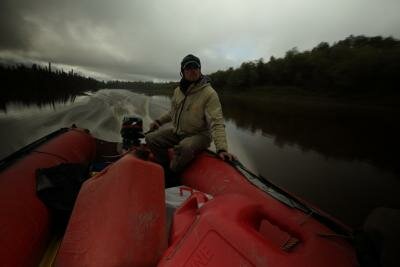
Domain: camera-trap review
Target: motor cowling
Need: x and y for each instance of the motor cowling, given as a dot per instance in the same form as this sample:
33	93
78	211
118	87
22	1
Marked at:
131	131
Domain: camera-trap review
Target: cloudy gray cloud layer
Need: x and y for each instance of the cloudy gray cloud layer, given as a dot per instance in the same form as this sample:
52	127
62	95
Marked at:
146	39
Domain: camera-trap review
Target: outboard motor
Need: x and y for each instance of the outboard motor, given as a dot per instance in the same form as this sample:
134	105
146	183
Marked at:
131	131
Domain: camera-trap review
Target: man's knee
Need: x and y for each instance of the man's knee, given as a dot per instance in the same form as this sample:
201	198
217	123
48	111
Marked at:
185	150
156	139
161	138
195	144
183	154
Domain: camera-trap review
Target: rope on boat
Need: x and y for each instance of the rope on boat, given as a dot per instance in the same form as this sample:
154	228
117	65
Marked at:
51	154
4	163
333	236
290	243
291	201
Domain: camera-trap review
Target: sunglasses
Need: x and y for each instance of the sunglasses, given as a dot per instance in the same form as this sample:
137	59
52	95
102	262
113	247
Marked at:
191	66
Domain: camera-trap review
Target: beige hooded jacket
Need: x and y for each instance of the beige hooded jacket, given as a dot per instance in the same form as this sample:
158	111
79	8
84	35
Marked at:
198	111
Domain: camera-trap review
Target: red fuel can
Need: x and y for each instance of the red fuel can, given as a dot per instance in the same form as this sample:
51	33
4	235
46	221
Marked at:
234	230
118	219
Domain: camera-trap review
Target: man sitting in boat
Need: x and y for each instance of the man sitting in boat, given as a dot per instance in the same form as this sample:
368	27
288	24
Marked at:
196	116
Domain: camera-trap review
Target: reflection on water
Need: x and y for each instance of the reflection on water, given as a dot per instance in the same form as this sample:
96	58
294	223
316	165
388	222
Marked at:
349	135
344	163
39	102
101	112
348	189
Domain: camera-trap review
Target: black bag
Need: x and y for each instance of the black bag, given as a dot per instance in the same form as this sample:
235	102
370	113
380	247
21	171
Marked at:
58	188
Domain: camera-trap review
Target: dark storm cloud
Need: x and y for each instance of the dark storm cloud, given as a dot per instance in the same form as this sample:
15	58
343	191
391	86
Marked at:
14	30
147	39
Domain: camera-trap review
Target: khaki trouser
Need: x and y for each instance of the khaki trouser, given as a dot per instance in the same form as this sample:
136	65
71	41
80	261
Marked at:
185	148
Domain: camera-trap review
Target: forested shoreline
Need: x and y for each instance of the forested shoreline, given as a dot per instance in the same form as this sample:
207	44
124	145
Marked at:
41	85
357	65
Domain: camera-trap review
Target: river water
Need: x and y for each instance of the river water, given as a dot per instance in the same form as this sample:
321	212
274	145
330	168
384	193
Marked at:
336	163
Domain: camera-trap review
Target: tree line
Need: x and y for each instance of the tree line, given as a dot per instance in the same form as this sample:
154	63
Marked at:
38	84
353	65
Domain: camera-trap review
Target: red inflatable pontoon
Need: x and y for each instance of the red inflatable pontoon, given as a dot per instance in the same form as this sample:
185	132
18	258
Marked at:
119	217
24	219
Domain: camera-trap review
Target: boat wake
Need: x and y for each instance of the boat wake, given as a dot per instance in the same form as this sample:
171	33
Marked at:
100	112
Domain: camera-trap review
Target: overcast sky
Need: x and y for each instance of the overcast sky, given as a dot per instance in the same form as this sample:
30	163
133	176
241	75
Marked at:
145	40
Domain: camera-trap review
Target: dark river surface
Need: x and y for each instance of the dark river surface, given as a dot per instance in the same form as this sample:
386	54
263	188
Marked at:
345	163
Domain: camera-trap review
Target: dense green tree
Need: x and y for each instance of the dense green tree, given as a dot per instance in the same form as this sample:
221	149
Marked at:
353	65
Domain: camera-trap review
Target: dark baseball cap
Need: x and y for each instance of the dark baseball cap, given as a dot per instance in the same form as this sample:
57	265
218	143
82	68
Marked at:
190	61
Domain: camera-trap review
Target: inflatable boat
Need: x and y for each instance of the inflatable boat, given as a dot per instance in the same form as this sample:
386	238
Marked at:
228	216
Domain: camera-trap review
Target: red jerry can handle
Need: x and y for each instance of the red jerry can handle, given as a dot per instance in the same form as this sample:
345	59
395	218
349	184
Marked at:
199	196
256	222
185	188
186	214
